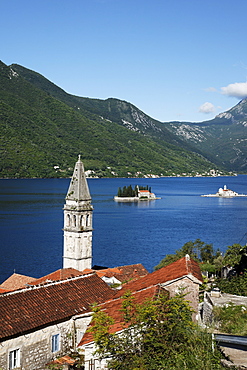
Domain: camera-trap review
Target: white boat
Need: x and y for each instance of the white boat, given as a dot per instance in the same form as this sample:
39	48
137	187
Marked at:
225	193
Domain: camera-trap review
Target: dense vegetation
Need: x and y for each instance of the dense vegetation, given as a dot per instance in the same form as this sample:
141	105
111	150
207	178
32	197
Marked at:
221	140
236	281
157	334
212	262
43	129
231	319
203	253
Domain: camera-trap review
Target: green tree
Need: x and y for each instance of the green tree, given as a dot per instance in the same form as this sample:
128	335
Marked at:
234	285
236	281
157	334
197	250
231	319
219	263
234	254
124	191
206	253
136	191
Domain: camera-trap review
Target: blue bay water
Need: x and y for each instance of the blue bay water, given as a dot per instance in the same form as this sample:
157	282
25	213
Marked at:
31	221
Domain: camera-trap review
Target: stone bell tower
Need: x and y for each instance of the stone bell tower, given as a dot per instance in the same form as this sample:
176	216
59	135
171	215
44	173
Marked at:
78	213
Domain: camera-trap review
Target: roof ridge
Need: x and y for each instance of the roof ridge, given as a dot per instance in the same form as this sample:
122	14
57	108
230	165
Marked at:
46	284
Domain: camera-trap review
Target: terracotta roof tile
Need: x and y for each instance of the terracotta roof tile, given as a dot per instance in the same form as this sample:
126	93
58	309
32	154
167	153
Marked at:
16	281
60	274
2	290
146	287
124	273
177	269
113	307
65	360
25	310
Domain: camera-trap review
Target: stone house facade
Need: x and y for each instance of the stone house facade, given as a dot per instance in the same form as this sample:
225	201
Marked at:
184	274
42	322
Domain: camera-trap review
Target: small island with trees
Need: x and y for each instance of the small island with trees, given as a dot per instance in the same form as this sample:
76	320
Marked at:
138	193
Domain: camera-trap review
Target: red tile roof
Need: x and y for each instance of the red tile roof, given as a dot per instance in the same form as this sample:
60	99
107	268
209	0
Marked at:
60	274
16	281
65	360
124	273
147	287
29	309
182	267
2	290
114	306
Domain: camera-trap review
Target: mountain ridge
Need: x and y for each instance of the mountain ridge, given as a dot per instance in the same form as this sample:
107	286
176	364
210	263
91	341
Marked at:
44	128
222	139
111	109
225	149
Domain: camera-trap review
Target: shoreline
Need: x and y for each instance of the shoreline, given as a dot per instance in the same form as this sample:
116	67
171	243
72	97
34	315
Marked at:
97	178
133	199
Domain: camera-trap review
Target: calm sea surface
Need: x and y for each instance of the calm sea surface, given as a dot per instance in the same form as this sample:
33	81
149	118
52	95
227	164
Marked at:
31	221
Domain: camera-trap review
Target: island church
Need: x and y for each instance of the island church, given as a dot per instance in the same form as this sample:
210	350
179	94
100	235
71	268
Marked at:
44	321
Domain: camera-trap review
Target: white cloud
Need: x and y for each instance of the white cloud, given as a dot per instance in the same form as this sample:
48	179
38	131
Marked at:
236	90
210	89
207	108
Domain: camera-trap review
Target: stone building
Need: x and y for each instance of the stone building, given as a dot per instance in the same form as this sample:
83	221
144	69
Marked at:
78	212
183	274
41	322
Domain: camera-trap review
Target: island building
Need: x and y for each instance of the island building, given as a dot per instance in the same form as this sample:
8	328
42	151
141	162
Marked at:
141	195
225	193
145	194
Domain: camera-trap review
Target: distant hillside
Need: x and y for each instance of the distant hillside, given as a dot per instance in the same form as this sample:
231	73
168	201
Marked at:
43	129
222	140
114	110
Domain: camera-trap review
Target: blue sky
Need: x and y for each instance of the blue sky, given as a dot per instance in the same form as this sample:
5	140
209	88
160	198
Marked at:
174	59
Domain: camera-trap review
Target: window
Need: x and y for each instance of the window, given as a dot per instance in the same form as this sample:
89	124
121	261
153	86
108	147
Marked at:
68	220
55	343
80	335
14	359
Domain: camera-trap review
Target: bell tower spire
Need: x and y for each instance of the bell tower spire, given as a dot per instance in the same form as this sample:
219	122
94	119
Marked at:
78	213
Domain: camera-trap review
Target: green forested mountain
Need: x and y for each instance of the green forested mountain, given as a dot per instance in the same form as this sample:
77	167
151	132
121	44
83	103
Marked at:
42	126
221	140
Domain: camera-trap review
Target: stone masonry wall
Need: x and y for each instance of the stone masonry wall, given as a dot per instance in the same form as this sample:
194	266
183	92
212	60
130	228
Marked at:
187	287
36	348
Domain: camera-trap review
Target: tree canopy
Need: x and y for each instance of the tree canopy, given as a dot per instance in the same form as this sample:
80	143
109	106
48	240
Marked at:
198	250
235	254
157	334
